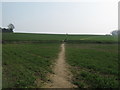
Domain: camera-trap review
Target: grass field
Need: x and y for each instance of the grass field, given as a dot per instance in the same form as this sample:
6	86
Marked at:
26	65
93	65
58	37
31	37
92	37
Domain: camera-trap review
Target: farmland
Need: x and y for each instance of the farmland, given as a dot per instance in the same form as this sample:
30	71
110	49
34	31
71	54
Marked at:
92	37
26	65
93	59
93	65
31	37
56	37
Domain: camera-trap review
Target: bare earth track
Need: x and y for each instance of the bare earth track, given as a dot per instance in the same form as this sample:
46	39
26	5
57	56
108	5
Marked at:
61	77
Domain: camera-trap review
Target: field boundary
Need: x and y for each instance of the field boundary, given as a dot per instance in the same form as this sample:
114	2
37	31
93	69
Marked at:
60	41
90	41
40	41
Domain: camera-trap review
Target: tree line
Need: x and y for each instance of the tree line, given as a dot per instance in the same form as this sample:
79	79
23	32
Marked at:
115	32
9	29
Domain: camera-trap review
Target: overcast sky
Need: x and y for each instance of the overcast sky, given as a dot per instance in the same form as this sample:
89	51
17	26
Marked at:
62	17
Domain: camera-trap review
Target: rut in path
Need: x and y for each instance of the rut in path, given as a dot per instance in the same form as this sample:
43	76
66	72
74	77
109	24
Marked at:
61	76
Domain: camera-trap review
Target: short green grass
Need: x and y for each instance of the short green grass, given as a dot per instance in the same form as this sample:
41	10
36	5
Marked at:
93	65
57	37
23	64
31	37
93	37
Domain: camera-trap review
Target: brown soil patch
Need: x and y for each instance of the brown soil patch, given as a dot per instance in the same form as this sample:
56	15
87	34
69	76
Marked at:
62	76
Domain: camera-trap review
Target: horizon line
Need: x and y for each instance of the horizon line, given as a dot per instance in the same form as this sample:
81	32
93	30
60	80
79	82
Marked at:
64	33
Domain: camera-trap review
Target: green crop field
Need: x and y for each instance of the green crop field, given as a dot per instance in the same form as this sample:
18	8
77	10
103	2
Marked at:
25	64
92	37
93	65
31	37
58	37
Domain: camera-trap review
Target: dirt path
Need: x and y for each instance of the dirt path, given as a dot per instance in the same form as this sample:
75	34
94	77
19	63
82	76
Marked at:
61	77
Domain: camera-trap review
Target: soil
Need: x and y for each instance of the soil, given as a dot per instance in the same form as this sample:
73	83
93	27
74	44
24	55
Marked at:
62	75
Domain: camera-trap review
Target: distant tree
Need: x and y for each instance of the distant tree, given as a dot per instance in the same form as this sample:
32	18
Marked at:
4	30
7	30
115	32
118	32
11	27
